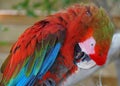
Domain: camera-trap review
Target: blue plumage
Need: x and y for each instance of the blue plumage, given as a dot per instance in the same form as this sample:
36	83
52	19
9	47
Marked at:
49	60
24	80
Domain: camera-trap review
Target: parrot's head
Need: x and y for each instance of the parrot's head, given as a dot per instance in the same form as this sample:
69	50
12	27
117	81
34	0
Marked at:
95	42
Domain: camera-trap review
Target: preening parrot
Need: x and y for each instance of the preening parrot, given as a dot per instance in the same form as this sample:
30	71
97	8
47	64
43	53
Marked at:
57	46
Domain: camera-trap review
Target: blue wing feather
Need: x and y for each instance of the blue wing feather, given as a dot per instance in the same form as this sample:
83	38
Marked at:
48	62
43	60
23	80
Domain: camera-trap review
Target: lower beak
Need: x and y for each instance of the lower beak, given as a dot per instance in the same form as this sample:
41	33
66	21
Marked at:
86	63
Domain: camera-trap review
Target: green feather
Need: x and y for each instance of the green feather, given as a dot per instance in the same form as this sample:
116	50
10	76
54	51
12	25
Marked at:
37	61
103	26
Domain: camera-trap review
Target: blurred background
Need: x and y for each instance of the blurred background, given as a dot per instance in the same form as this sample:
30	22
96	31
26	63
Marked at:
17	15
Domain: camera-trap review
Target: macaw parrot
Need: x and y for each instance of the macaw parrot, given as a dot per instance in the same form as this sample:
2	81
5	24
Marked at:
57	46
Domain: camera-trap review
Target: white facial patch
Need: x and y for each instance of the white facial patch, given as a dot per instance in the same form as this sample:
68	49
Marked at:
88	45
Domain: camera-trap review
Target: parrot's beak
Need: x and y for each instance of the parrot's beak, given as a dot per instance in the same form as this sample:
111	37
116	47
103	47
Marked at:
82	52
86	63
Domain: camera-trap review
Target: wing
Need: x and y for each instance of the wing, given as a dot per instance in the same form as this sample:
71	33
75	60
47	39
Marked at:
33	53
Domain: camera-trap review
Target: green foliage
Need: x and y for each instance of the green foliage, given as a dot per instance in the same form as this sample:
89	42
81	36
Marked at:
116	0
22	5
3	29
4	43
69	2
25	5
43	5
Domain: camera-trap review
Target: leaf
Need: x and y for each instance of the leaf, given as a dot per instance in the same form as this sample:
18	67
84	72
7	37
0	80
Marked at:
36	5
22	5
30	13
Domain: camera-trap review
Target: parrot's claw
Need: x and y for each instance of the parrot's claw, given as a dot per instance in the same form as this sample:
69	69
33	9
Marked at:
48	82
82	60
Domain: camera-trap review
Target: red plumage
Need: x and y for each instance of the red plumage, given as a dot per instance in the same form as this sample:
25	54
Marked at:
78	23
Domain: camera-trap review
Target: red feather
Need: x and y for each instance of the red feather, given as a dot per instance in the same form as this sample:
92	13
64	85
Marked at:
79	25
